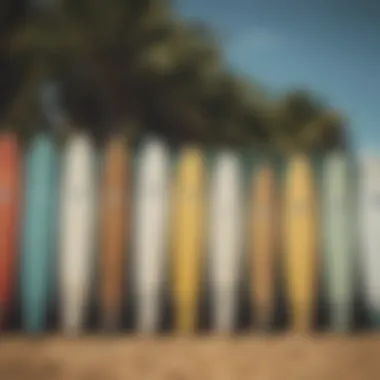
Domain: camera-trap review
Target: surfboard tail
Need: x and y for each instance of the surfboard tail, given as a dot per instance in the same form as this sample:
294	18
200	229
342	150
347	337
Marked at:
186	316
302	318
111	319
34	322
148	314
224	311
6	285
72	322
73	315
74	302
375	317
110	307
264	316
34	308
3	315
34	290
340	291
5	299
341	316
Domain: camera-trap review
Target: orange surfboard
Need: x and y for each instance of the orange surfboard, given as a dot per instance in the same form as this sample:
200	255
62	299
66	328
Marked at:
262	235
9	223
114	203
300	241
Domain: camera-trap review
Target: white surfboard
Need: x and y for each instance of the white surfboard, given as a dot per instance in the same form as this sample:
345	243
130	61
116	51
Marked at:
338	240
77	231
151	232
369	222
225	237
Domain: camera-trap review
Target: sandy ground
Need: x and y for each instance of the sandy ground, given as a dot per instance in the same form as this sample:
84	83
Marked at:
257	358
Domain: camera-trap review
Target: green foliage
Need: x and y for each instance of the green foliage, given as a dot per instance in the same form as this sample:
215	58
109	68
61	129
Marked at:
135	65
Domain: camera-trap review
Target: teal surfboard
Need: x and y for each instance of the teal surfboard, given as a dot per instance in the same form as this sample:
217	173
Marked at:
39	224
338	243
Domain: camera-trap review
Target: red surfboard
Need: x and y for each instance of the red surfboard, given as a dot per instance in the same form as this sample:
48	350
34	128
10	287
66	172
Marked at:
9	223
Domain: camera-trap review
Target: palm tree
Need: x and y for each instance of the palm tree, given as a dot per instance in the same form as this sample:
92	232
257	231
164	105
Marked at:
304	122
11	15
327	132
136	65
84	46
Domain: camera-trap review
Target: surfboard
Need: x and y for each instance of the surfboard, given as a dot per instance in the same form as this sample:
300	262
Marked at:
151	232
262	236
77	231
225	249
39	222
188	237
338	247
369	223
300	241
114	202
10	191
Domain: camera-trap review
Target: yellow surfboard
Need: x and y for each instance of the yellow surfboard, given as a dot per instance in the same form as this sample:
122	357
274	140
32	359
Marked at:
263	243
187	248
114	203
300	241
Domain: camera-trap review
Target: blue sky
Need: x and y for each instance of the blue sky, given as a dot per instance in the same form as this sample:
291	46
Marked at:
330	46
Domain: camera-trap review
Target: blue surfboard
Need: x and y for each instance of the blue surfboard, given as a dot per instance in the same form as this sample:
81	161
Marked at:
39	232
